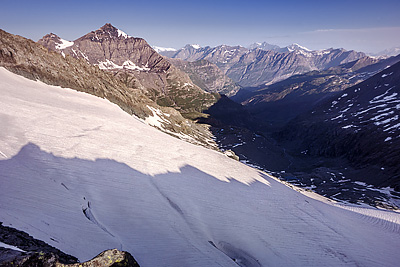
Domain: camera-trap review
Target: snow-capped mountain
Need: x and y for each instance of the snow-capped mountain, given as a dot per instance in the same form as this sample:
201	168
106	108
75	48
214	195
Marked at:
138	64
297	47
159	49
300	93
290	48
34	61
264	46
394	51
254	67
86	176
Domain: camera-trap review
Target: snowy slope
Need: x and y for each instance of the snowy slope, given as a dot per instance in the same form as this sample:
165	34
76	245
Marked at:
80	174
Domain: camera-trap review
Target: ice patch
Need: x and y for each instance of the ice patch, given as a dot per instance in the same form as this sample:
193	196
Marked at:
132	66
337	117
129	65
378	117
64	44
108	64
385	75
84	56
348	126
387	120
163	49
368	109
384	97
4	245
123	34
156	119
392	127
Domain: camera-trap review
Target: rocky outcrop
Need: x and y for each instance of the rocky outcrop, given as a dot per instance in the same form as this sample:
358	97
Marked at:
28	251
31	251
111	258
207	76
138	65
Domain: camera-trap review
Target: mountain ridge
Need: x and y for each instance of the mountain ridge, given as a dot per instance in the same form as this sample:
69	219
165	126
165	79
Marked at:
253	67
359	124
133	59
32	60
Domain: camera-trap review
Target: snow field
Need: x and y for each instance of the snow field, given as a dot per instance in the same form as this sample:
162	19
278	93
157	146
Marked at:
83	176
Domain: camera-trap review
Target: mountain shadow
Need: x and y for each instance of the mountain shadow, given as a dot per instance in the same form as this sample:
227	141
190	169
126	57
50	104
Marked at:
183	216
257	144
65	201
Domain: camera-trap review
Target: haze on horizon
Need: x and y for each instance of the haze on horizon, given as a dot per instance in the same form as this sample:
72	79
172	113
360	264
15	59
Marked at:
368	26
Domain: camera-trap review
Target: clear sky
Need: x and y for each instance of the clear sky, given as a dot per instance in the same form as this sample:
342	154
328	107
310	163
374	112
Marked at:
363	25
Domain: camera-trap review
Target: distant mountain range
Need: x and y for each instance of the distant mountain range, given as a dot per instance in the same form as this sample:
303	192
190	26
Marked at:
394	51
263	63
278	103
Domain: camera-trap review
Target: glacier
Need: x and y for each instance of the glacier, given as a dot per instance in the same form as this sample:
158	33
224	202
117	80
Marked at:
82	175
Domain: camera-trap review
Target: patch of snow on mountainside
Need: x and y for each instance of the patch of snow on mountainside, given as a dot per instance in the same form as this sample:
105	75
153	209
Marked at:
132	66
156	119
110	65
84	176
4	245
295	46
64	44
159	49
381	108
302	47
123	34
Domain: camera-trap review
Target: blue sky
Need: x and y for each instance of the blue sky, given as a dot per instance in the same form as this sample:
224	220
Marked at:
368	26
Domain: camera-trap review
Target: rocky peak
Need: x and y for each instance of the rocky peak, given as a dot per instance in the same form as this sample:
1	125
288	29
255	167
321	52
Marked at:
53	41
51	36
295	47
106	32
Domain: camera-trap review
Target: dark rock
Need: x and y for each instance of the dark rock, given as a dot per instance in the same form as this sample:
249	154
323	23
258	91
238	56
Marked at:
111	258
27	243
